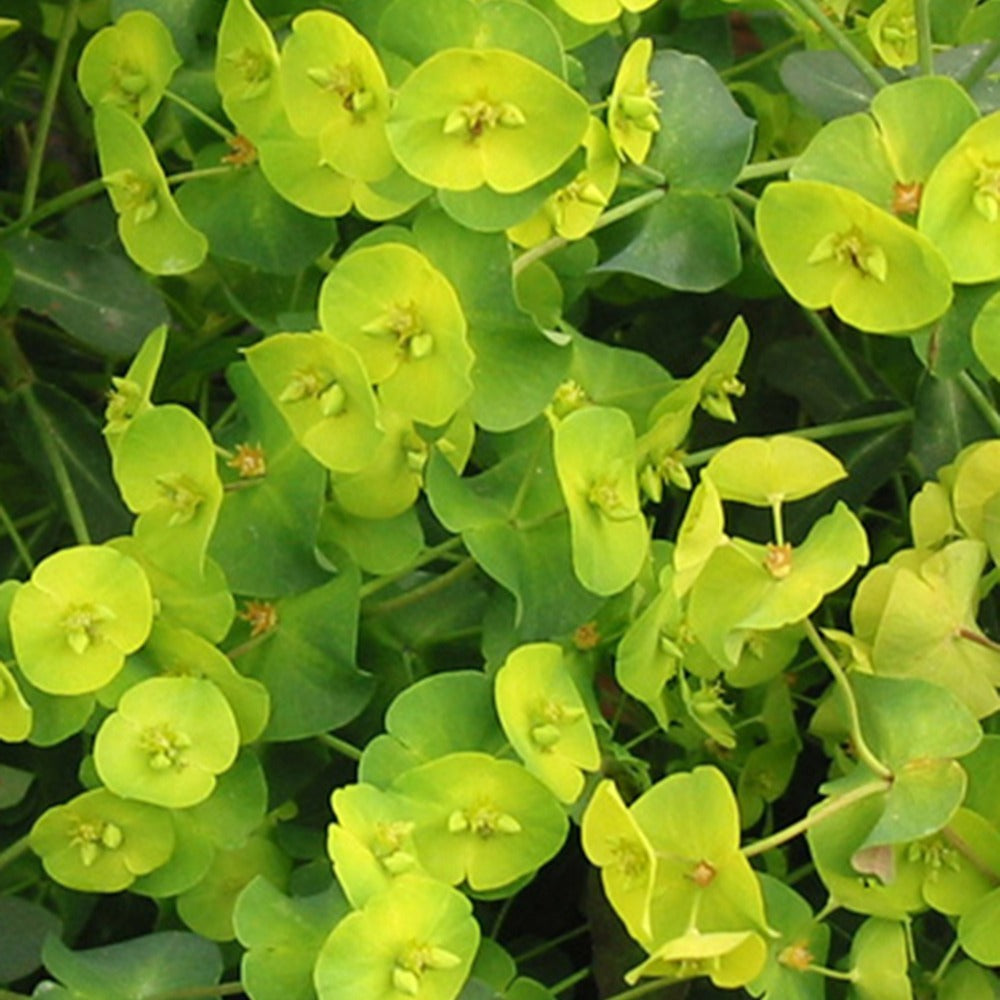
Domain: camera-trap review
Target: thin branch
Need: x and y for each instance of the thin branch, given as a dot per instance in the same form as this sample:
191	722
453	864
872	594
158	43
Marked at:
925	49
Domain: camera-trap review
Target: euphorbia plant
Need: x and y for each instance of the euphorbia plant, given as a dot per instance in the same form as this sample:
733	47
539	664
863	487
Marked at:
492	508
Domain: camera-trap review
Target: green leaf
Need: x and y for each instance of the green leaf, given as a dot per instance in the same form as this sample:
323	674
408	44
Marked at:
467	117
286	239
687	241
129	64
594	453
135	969
986	335
153	231
827	83
880	959
265	536
830	247
98	298
464	697
308	662
382	546
703	149
29	924
945	422
517	368
977	929
283	935
774	470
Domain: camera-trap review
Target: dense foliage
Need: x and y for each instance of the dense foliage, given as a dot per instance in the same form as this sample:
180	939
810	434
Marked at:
500	499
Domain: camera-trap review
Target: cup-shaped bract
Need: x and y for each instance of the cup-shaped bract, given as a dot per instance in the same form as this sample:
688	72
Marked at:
129	64
702	880
572	211
731	959
167	472
82	612
615	843
892	29
99	842
167	741
468	117
595	462
829	246
152	230
492	822
880	961
320	386
601	11
334	89
772	470
633	111
404	319
390	483
16	715
372	842
246	69
545	719
960	209
130	395
416	939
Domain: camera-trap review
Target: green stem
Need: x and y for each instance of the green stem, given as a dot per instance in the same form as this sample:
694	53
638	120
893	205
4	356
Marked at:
979	640
15	536
501	916
555	942
981	64
427	556
56	205
818	815
861	748
760	58
198	992
946	960
66	33
839	354
564	984
46	436
850	976
980	401
769	168
192	109
840	41
643	989
925	44
611	216
194	175
439	583
15	851
341	746
859	425
10	995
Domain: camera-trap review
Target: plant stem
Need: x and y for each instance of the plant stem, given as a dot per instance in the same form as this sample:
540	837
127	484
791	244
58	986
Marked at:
864	752
16	850
845	977
194	175
66	33
980	401
192	109
925	50
840	41
859	425
439	583
427	556
570	981
760	58
946	960
15	536
979	640
547	946
828	808
982	63
56	205
341	746
73	510
839	354
769	168
611	216
643	989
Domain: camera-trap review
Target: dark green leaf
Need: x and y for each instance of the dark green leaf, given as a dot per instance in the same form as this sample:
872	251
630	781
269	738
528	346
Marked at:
100	299
946	421
827	83
26	926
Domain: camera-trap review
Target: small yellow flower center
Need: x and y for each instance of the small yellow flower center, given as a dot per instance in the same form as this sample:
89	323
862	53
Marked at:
92	837
853	248
471	120
484	820
82	623
703	874
123	402
347	82
165	747
569	396
986	198
181	494
778	561
248	460
262	616
796	956
629	859
136	195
